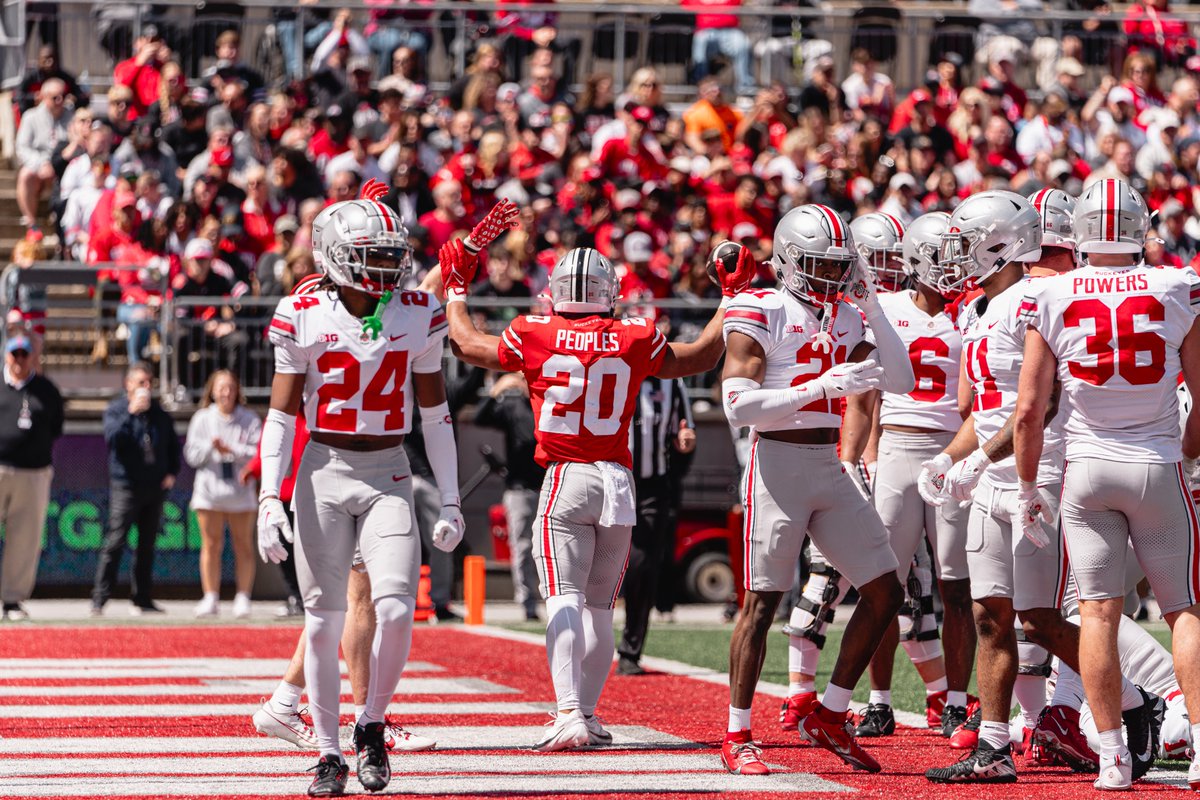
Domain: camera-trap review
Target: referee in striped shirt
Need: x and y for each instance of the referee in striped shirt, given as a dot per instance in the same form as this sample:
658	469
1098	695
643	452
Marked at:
661	430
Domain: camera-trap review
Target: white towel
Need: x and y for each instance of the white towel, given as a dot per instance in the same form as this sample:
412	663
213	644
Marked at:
619	508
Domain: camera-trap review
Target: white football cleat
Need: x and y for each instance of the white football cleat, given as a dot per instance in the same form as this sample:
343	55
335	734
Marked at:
566	731
397	738
1116	773
289	726
597	734
208	607
241	606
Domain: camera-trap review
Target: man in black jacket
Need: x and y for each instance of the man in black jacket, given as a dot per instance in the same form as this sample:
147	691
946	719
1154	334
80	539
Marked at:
31	418
143	461
507	408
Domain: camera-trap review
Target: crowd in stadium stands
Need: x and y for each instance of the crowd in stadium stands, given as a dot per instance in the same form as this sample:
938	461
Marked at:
209	183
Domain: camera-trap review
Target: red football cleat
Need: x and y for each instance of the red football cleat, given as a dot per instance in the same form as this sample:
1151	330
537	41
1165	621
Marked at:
934	704
837	738
741	756
966	736
796	708
1058	733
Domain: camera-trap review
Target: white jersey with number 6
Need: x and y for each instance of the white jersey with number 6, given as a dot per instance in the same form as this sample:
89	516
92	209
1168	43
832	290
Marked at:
1116	333
355	384
935	348
784	327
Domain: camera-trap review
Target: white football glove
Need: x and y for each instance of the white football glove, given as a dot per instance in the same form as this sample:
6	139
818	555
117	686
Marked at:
273	523
448	530
842	380
856	476
964	476
1027	511
931	484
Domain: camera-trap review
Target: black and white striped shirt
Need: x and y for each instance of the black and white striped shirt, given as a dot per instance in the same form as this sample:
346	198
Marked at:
662	403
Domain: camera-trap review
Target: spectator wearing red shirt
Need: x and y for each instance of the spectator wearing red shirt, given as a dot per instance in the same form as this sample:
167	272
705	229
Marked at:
447	218
719	33
333	138
143	72
1001	67
998	135
1140	76
629	160
526	25
741	205
1150	26
639	282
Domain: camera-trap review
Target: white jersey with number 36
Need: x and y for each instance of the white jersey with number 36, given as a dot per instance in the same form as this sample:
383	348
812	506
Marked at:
934	347
355	384
1116	334
784	327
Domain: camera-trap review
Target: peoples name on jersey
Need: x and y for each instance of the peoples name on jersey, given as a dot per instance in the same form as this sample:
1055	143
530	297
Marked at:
1094	284
587	341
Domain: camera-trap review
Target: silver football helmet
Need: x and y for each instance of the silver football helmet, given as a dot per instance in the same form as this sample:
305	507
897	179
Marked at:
814	252
364	246
318	226
986	232
583	281
877	237
922	242
1057	210
1110	217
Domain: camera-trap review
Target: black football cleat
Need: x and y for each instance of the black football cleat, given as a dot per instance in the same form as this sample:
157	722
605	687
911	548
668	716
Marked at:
1142	726
331	777
373	769
982	765
877	720
952	717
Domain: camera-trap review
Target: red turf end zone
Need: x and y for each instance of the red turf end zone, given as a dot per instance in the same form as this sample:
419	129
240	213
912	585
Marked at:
53	747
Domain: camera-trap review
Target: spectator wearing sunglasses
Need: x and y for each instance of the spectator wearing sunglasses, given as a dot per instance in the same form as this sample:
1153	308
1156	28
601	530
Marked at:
31	419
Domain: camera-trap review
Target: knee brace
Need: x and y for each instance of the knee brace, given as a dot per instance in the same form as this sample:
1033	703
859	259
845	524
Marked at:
917	620
1032	659
815	608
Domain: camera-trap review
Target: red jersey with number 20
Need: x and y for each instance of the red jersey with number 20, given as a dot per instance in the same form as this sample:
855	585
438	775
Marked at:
583	376
353	383
1116	334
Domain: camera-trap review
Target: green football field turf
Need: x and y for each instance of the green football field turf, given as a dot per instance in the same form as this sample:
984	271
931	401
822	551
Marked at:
708	646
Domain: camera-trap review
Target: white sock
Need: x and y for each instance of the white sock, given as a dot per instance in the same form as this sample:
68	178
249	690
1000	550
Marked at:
1111	743
739	719
1068	689
212	597
323	674
359	711
1195	734
389	652
954	698
242	596
879	697
810	657
565	646
1130	696
836	699
599	647
801	686
935	686
1030	692
286	696
994	733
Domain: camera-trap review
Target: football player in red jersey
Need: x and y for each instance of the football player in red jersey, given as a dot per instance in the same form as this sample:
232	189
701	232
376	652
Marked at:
355	357
583	367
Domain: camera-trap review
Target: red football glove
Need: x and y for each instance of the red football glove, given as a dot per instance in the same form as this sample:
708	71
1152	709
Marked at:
373	190
458	267
737	281
500	219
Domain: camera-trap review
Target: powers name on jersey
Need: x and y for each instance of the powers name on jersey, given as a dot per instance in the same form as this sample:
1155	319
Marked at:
1117	333
935	347
784	327
354	383
583	376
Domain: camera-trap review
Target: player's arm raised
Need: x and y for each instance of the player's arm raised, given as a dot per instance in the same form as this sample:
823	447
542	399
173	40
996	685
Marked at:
458	261
890	350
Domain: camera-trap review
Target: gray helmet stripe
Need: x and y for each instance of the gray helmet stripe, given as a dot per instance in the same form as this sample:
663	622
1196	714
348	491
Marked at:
580	275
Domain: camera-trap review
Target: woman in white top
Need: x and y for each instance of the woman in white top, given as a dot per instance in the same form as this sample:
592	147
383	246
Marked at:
222	437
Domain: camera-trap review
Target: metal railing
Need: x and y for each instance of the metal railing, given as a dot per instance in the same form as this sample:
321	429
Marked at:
904	37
